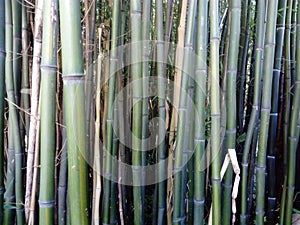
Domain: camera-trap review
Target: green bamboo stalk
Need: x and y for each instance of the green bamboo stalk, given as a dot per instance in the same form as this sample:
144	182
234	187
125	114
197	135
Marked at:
215	112
2	94
110	112
137	93
243	55
294	132
48	113
179	164
265	109
62	182
9	195
231	107
73	78
200	99
14	144
146	19
17	46
280	32
161	149
25	66
259	52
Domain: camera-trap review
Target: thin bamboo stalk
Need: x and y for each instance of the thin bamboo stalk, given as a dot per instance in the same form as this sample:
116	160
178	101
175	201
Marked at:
200	99
294	132
35	89
215	112
17	46
2	94
259	52
110	112
265	109
25	97
48	113
73	80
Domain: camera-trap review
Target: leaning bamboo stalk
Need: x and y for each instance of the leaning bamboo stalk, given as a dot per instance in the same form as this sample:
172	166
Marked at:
73	85
265	109
35	89
231	109
97	159
2	94
48	113
259	52
179	163
294	132
215	112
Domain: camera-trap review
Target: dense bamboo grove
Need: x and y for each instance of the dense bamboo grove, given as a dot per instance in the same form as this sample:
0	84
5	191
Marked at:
149	112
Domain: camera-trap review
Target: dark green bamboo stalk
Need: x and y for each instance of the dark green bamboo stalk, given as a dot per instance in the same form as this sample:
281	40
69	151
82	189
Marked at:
110	112
2	94
161	149
179	163
259	52
280	31
294	132
200	99
215	112
17	46
243	55
265	109
137	92
231	70
48	113
73	78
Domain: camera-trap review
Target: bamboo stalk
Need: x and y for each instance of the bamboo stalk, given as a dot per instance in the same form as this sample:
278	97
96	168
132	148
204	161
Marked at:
48	112
294	132
215	112
200	99
265	109
259	52
2	94
9	195
179	163
137	94
35	89
110	113
280	32
161	149
73	80
231	109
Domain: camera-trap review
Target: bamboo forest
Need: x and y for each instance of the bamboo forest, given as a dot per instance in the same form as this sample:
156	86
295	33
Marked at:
149	112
